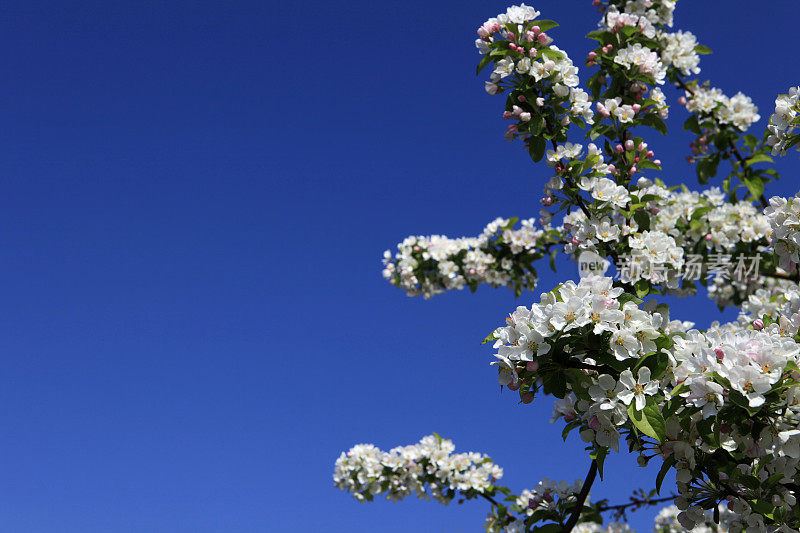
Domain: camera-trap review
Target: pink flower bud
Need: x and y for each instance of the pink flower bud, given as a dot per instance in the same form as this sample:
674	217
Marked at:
612	169
542	38
636	108
536	30
507	115
512	46
605	49
547	201
689	159
610	46
483	32
655	210
540	101
416	248
720	354
657	162
533	366
592	56
636	159
526	397
525	116
633	171
595	2
758	324
682	100
532	52
703	139
521	98
619	149
530	36
629	144
642	147
575	241
650	154
708	236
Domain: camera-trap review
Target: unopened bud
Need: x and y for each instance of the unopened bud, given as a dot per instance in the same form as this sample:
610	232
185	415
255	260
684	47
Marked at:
526	397
758	324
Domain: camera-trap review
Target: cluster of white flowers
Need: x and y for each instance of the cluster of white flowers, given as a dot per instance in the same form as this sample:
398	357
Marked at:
547	495
737	111
658	12
530	60
500	256
784	218
679	51
783	122
587	309
775	307
728	369
669	518
615	19
594	527
678	221
645	60
428	468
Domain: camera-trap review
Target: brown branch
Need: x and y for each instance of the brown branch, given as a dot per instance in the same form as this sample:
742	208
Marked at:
635	502
587	485
494	502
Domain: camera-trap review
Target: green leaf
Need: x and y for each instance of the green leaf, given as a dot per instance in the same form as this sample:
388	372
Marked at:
642	219
750	141
547	528
754	185
692	125
707	168
569	427
646	164
485	60
536	148
599	455
701	49
654	122
590	161
555	383
663	473
545	25
596	35
758	158
642	288
649	420
489	338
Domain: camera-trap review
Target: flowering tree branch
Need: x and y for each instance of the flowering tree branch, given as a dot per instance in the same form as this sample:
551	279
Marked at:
719	407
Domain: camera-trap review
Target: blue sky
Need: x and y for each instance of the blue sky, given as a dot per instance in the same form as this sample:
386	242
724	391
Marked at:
196	197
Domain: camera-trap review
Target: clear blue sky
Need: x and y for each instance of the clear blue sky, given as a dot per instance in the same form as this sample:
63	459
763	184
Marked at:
195	199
